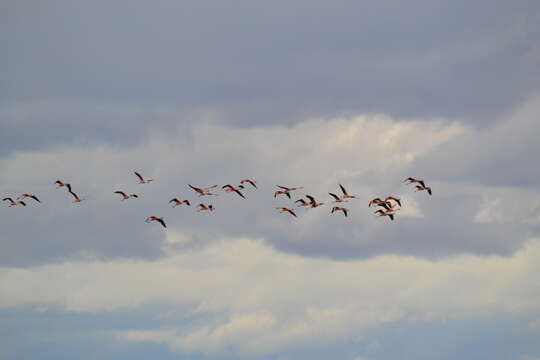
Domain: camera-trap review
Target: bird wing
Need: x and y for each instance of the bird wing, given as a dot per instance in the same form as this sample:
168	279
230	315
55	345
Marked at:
162	222
8	199
343	189
187	202
239	193
311	199
334	196
35	198
139	175
292	212
120	192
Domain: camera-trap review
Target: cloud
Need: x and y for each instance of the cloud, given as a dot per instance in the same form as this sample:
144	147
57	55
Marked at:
251	299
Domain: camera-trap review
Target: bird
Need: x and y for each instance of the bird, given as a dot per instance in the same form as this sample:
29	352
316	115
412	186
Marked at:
77	197
338	208
126	196
283	209
388	206
411	180
381	212
312	202
203	207
290	188
179	202
13	203
142	180
59	183
203	191
155	218
285	190
230	188
422	188
375	201
337	198
302	202
252	182
32	196
345	194
282	192
388	198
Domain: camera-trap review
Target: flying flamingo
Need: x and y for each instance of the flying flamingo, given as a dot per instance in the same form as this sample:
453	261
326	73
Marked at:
252	182
203	207
312	202
337	198
411	180
59	184
142	180
282	192
375	201
283	209
338	208
179	202
388	198
32	196
422	188
381	212
126	196
230	188
203	191
155	218
388	206
302	202
14	203
345	194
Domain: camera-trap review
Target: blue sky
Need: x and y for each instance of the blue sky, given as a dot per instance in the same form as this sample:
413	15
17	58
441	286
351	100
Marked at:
297	93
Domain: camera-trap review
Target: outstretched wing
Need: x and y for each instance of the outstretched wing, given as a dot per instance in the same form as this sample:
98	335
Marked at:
334	196
139	175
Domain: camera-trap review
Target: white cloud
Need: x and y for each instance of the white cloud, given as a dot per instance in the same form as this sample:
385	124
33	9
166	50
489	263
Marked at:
255	300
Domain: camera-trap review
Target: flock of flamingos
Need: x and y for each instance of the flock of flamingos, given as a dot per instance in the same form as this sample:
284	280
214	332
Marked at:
389	205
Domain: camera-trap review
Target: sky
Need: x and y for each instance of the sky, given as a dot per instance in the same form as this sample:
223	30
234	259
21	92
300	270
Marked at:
296	93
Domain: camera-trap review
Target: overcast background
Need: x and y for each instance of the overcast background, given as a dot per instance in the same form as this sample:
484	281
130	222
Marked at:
296	93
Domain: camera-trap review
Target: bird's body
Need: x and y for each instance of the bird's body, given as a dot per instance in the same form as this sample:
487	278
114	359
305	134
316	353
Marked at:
158	219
